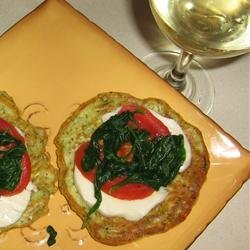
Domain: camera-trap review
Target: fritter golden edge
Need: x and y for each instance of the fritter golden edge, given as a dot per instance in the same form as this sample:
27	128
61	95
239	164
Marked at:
182	192
43	174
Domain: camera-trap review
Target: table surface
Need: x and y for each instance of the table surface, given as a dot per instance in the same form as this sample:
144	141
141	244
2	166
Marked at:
131	24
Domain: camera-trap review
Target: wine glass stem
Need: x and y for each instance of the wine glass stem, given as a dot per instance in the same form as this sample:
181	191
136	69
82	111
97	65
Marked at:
176	77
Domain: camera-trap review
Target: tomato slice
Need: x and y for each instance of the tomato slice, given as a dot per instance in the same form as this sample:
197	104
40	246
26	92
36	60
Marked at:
130	191
6	126
25	163
146	120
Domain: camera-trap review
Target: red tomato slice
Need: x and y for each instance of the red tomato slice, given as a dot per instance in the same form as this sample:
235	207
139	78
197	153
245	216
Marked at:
24	179
25	164
146	120
6	126
129	191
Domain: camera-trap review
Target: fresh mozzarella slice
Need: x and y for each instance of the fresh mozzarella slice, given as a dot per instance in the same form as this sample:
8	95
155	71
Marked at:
12	207
132	210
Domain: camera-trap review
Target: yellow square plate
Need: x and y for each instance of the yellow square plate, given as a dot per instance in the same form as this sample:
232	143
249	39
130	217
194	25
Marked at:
57	58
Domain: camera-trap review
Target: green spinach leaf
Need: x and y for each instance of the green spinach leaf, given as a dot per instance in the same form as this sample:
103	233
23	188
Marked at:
11	152
52	235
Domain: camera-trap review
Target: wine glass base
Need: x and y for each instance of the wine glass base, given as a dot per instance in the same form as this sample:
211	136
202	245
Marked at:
199	88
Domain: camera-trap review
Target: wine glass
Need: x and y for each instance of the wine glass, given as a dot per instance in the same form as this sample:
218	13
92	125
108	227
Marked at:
207	28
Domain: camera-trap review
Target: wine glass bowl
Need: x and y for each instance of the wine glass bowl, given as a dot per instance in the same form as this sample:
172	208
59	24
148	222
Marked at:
207	28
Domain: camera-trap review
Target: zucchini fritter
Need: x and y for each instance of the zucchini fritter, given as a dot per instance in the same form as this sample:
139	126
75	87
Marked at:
182	192
43	174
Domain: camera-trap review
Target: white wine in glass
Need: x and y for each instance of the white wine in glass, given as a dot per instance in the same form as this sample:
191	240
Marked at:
210	28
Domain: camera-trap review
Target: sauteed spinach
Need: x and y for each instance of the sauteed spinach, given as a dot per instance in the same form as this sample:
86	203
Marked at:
156	161
11	152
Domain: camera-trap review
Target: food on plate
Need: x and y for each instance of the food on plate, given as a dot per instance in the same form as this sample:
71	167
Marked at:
27	179
129	167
